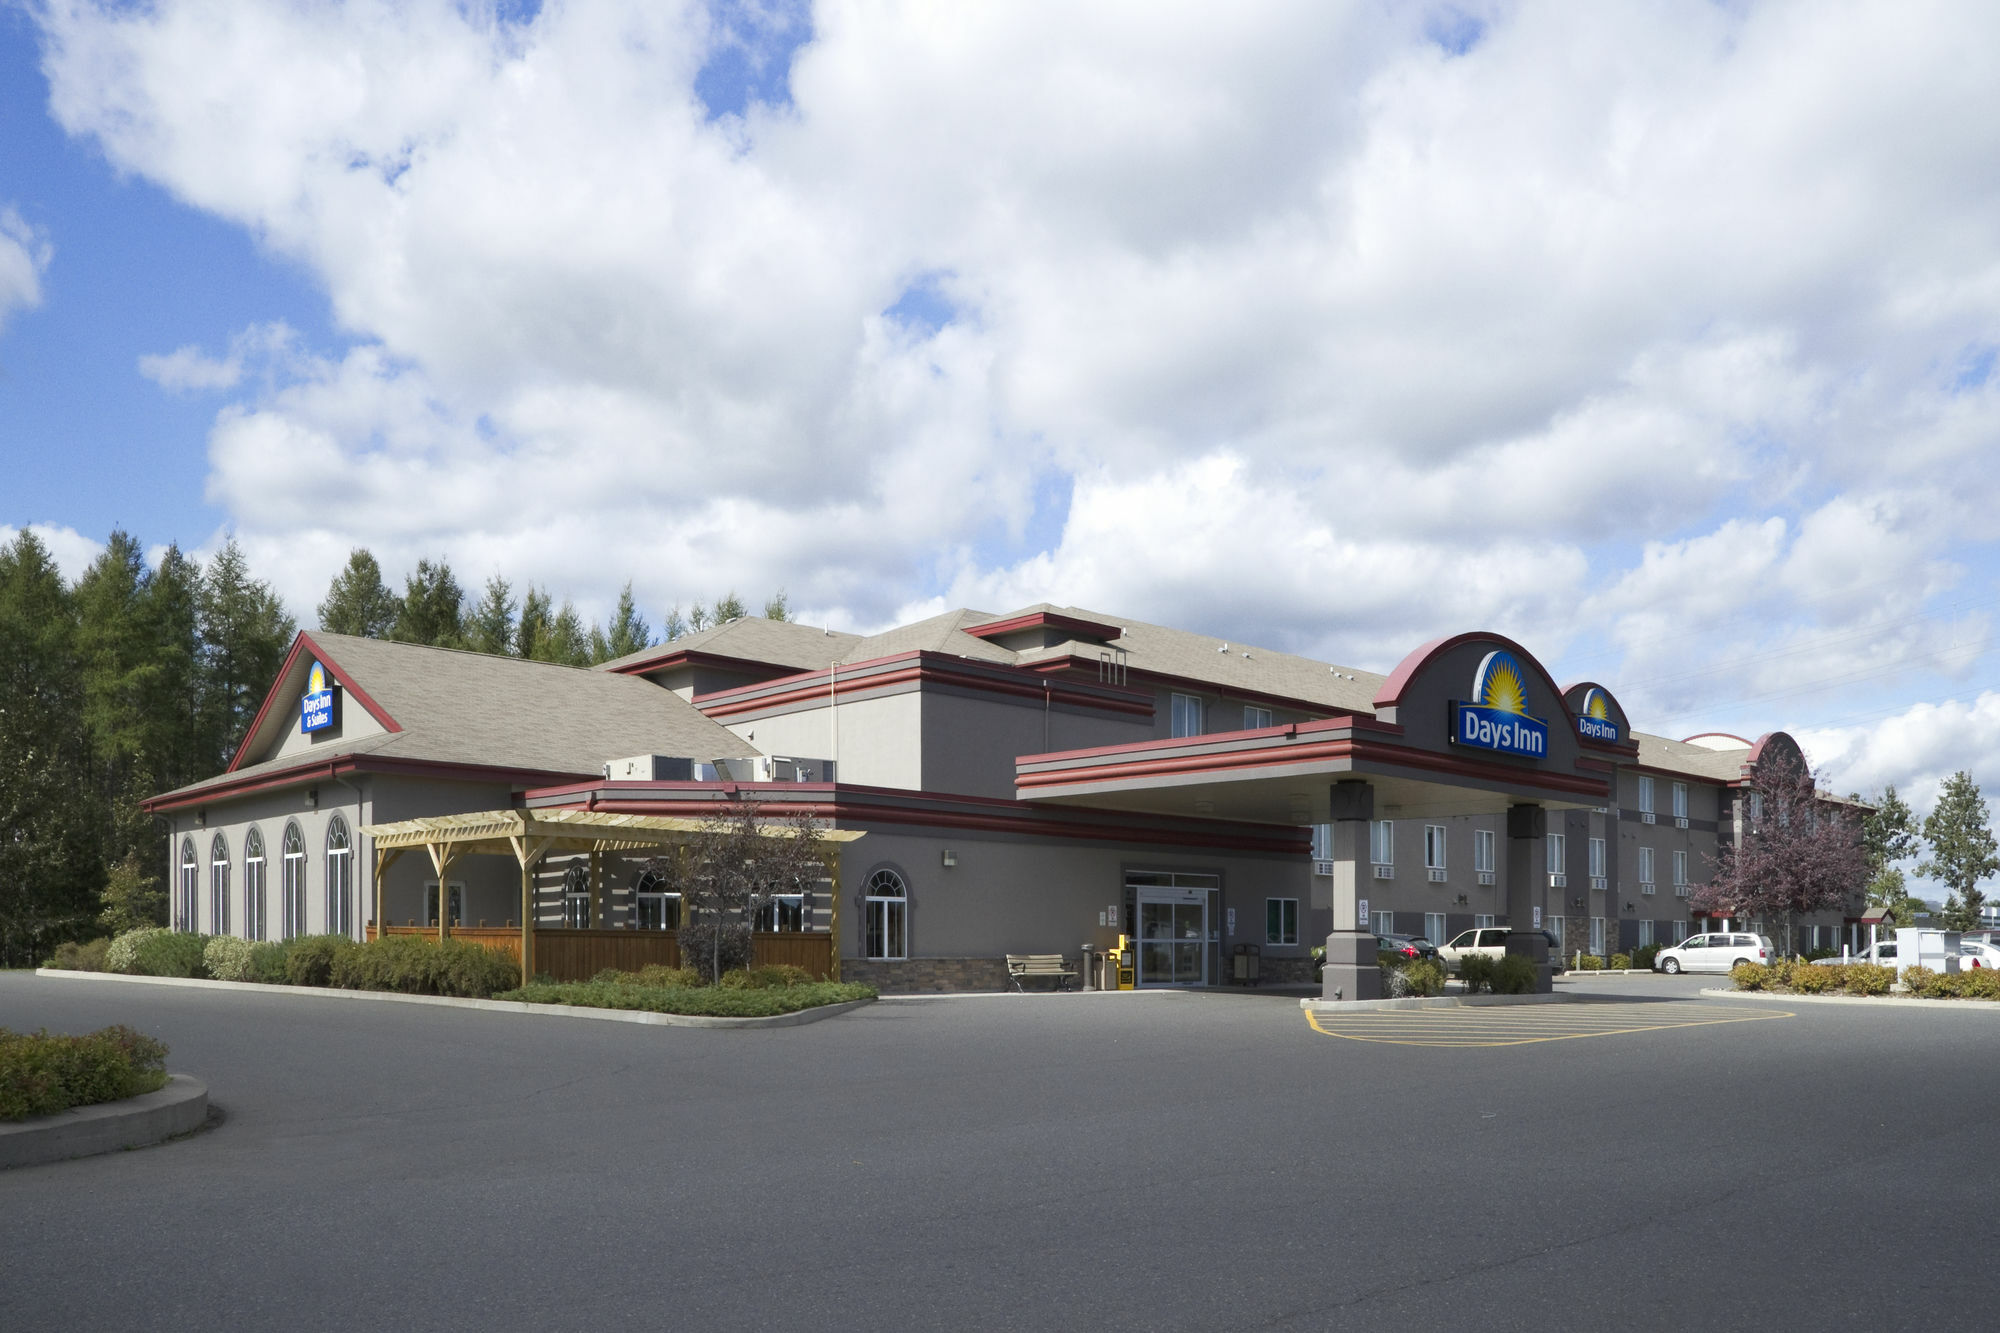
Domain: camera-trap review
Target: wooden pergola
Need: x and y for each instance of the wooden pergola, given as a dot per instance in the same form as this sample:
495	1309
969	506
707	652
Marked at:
529	836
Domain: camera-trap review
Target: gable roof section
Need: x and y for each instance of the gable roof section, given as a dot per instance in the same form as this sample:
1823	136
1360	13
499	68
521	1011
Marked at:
474	711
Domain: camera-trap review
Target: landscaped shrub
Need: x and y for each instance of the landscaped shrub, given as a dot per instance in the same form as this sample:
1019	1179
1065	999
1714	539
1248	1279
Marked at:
1516	974
1423	977
227	958
1813	979
266	963
1980	983
1751	976
1590	962
1919	981
1645	954
310	959
40	1074
1476	971
124	948
1868	979
716	1001
764	978
419	965
170	953
73	957
1621	962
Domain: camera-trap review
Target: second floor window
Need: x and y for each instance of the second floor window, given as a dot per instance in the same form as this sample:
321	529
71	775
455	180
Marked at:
1253	718
1645	796
1680	800
1597	858
1482	850
1186	717
1382	842
1558	854
1646	865
1434	847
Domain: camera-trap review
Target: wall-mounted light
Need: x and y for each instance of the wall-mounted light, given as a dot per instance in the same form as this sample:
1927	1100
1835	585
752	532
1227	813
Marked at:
312	798
950	857
1462	900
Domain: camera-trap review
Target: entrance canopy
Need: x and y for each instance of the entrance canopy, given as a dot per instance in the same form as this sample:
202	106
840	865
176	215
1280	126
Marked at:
1466	725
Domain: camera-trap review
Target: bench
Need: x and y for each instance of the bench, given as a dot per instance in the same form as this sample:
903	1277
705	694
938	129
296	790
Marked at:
1021	966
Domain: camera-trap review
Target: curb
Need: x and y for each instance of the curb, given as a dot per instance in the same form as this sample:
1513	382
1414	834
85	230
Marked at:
85	1131
498	1006
1899	1001
1431	1002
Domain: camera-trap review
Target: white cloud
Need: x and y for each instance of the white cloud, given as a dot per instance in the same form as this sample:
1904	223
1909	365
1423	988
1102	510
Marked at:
24	253
70	549
1649	328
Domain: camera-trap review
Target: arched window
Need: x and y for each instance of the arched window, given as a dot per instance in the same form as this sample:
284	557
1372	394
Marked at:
293	888
339	879
887	906
253	885
190	887
655	906
576	896
218	886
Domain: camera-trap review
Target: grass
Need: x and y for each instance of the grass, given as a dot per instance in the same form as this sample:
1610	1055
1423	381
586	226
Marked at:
701	1001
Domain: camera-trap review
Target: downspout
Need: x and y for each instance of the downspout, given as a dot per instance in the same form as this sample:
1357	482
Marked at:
1045	714
833	710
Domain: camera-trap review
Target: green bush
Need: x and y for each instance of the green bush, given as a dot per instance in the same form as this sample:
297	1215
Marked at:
1645	954
267	963
227	958
1516	974
1476	971
713	1001
73	957
1812	979
764	978
1621	962
1590	962
419	965
170	953
124	950
310	959
1868	979
1422	977
40	1074
1980	983
1921	981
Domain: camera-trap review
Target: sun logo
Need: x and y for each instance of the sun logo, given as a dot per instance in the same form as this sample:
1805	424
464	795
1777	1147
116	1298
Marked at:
316	680
1500	683
1596	705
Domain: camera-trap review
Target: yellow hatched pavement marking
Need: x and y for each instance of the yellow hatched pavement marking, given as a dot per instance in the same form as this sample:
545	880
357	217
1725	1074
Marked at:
1505	1026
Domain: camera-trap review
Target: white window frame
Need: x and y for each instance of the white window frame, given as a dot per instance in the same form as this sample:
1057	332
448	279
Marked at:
218	885
1558	854
885	928
1185	715
1680	800
339	878
1645	932
1645	870
576	896
1596	858
1322	848
1434	929
1255	718
1680	873
1482	921
780	908
456	887
1645	795
255	907
1383	922
1287	931
187	901
651	898
1553	923
292	880
1597	935
1482	850
1434	846
1382	841
1680	931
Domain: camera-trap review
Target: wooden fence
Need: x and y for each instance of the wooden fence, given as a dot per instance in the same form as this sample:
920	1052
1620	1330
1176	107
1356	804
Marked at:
565	954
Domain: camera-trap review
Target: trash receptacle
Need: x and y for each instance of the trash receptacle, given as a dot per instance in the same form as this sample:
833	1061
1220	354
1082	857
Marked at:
1247	963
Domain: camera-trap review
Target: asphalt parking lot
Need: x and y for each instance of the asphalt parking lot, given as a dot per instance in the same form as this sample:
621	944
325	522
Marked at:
1097	1162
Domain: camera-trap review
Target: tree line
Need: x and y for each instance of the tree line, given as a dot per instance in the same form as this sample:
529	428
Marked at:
435	609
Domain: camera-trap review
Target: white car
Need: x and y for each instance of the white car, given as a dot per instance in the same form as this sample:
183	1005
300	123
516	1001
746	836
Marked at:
1715	953
1977	953
1882	954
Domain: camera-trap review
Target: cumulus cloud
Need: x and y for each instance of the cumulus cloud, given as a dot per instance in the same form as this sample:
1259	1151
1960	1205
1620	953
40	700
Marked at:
1663	331
24	253
70	549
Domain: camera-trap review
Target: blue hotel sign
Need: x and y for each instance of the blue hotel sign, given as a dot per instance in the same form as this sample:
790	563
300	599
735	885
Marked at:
319	709
1496	717
1595	721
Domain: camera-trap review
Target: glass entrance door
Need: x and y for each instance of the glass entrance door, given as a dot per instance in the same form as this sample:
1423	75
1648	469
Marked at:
1173	938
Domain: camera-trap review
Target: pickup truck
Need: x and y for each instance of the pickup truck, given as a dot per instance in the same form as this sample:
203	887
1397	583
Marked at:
1492	942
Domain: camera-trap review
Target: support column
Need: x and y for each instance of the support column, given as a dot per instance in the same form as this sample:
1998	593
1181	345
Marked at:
597	890
442	855
1351	971
1527	886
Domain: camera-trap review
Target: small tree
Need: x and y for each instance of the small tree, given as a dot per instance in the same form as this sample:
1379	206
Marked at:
490	627
1888	892
728	871
1962	850
433	607
1888	831
356	601
1804	855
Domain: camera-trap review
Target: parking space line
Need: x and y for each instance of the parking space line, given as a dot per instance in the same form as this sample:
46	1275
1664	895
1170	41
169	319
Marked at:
1522	1027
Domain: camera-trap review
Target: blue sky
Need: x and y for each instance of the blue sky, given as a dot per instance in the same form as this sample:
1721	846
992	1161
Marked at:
1660	337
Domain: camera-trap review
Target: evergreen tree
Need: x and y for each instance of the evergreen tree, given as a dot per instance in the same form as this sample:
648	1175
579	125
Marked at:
537	620
1888	891
729	608
245	633
132	897
50	869
491	626
778	607
628	633
699	618
565	640
1889	831
1962	850
433	609
117	661
674	625
171	710
357	601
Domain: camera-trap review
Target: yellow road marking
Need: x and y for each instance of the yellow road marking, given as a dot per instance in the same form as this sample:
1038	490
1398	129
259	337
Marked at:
1498	1026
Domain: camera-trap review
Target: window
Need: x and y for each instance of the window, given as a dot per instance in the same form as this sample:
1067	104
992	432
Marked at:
1482	850
1558	854
1434	847
1322	842
576	896
1645	796
292	885
1385	923
1681	873
1645	933
1483	919
1680	931
1382	842
1186	716
1556	929
1645	870
1597	935
785	911
1756	808
888	905
1253	718
457	902
655	906
184	901
218	886
1597	858
253	885
1281	921
1434	927
1680	800
339	879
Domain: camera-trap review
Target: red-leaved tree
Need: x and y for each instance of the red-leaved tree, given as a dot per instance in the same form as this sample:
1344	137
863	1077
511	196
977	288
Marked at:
1801	854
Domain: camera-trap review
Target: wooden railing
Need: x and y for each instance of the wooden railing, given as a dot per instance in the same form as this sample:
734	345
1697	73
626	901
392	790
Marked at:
565	954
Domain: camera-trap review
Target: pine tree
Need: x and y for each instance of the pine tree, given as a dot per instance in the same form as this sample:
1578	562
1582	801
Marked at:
699	618
50	846
1962	850
171	693
490	629
245	633
1888	832
729	608
116	660
357	601
778	607
565	641
537	619
628	634
433	609
1888	891
674	625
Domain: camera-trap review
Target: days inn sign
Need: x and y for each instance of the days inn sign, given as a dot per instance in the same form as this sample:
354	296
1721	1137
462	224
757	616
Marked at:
320	708
1496	717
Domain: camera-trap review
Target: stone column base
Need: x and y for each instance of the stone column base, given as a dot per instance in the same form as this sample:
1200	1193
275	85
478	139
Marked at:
1351	970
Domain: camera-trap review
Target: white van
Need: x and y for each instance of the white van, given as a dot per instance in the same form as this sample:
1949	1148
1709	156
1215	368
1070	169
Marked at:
1717	952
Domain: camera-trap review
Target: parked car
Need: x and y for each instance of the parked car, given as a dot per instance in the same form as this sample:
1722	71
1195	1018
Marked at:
1882	954
1715	952
1977	953
1409	946
1492	942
